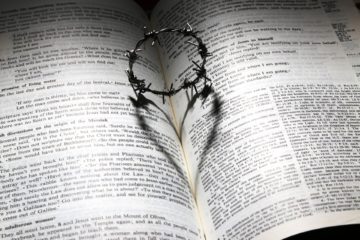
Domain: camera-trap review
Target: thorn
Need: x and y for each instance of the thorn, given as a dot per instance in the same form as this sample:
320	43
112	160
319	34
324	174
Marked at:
194	44
163	98
189	26
196	64
186	84
202	103
158	41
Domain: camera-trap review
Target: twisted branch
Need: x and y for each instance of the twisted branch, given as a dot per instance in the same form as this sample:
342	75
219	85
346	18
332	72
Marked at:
139	85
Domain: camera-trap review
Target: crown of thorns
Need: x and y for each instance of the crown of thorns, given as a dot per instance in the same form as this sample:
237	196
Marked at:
139	86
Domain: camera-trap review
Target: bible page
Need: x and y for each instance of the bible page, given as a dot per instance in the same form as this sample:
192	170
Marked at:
74	161
285	157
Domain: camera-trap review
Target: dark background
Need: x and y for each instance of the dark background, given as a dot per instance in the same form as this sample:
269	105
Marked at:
147	5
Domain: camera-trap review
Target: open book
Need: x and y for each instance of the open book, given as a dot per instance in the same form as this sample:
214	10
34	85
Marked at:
76	164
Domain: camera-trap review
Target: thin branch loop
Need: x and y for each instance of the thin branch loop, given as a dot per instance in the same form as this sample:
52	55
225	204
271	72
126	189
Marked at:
139	85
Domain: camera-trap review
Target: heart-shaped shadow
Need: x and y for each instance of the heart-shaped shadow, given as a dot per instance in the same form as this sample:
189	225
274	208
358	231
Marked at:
144	103
140	87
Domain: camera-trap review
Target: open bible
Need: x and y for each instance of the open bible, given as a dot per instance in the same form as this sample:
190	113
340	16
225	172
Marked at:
76	164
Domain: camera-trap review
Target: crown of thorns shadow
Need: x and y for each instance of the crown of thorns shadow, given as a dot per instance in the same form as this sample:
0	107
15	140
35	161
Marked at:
201	85
139	86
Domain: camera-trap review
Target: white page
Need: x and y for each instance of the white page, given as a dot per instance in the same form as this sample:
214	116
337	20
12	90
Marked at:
290	116
74	161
